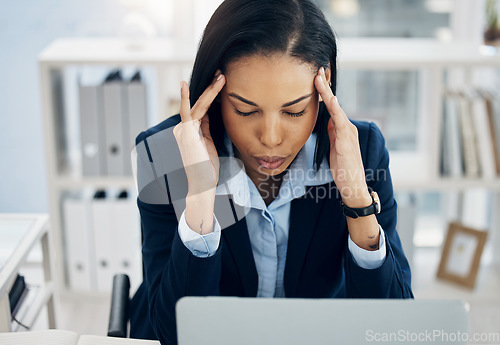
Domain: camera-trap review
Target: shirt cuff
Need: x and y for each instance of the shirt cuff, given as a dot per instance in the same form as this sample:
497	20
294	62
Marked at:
369	259
202	246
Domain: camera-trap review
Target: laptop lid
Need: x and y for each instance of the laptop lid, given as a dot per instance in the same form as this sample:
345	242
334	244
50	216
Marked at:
250	321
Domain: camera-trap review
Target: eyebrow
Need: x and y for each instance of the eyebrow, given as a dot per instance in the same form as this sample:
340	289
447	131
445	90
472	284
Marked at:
283	106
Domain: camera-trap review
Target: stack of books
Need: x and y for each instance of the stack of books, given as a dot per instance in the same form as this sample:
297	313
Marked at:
470	140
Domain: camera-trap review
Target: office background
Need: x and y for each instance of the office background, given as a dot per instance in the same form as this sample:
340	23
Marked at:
389	98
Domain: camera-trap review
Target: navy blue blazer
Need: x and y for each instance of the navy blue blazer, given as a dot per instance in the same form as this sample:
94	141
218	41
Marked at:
318	262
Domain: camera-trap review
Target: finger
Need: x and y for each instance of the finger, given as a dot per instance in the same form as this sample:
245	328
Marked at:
208	96
323	88
331	102
185	104
332	131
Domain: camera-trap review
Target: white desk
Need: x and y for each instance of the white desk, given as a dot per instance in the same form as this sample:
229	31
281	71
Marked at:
18	235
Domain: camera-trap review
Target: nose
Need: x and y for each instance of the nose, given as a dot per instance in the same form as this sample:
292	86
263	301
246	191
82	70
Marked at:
271	133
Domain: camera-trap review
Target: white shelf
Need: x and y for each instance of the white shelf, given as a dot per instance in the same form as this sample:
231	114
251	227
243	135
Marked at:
71	179
37	297
114	51
34	229
352	53
446	184
66	183
410	53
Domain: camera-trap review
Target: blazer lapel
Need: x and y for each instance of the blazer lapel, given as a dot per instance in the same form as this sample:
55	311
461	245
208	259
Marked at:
237	239
303	216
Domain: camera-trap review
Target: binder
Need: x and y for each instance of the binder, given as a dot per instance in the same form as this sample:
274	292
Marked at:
453	164
91	130
137	115
115	115
78	241
485	140
444	162
117	238
126	227
104	240
494	124
469	140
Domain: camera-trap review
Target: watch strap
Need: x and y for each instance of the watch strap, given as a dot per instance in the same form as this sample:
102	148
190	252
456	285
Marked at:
353	212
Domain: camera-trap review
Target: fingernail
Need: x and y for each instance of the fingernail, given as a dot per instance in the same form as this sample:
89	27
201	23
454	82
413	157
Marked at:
217	72
219	77
322	71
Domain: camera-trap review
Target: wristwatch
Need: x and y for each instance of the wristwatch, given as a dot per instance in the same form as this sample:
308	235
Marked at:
374	208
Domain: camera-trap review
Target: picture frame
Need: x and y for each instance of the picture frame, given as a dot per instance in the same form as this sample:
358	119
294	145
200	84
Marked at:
461	254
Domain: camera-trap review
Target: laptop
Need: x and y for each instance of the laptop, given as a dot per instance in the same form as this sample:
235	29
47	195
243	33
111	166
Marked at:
251	321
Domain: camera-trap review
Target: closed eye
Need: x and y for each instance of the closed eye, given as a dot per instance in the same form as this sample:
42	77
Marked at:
242	113
300	113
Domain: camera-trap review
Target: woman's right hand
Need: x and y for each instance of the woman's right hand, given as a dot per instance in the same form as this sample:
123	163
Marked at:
192	134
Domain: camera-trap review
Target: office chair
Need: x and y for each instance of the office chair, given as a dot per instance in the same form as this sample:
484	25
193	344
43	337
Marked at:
120	304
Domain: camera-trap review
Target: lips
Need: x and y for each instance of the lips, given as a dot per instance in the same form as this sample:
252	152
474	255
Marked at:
269	162
270	159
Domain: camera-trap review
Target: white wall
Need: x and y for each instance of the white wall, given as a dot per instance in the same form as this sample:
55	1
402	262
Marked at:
26	27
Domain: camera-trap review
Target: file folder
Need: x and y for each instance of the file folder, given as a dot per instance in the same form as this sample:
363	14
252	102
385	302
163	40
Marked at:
91	130
137	115
78	240
105	243
115	124
126	227
485	141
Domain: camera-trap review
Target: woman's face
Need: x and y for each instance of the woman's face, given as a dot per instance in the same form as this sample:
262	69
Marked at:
269	108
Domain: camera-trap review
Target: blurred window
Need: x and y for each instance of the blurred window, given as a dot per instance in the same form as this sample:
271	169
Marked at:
390	98
388	18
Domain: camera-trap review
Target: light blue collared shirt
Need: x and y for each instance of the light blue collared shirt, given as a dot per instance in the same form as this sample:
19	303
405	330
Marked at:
268	226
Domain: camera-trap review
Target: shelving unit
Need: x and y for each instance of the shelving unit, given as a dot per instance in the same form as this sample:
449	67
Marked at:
168	63
411	171
22	232
420	169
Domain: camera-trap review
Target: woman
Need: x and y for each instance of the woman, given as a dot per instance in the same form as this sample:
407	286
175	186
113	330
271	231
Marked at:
304	215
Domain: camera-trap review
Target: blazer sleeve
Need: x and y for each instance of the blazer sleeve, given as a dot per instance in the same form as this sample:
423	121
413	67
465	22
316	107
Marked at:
171	271
393	278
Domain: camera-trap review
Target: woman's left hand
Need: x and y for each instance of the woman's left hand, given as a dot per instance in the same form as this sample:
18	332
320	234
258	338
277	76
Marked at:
346	165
